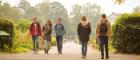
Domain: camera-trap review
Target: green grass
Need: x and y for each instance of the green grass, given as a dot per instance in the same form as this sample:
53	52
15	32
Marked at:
19	50
15	50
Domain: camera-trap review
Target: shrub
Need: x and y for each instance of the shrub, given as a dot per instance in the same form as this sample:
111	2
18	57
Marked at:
7	26
22	40
126	33
53	41
22	24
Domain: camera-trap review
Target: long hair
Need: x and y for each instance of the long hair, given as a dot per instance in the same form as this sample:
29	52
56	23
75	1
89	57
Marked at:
50	24
84	18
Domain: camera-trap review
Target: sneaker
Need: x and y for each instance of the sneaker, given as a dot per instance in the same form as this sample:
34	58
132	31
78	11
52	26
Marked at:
107	57
84	57
60	52
36	52
102	57
46	52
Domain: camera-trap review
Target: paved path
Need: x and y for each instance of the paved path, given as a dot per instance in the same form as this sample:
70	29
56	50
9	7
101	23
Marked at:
71	51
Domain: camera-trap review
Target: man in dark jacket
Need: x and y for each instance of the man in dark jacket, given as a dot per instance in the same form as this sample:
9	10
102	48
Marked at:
60	31
84	30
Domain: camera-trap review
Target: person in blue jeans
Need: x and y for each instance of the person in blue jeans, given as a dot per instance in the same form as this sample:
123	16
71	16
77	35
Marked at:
103	33
60	31
84	30
35	31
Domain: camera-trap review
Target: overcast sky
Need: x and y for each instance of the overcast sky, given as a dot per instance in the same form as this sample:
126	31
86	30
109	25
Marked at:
107	6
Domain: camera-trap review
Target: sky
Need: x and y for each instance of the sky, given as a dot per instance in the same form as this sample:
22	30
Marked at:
107	6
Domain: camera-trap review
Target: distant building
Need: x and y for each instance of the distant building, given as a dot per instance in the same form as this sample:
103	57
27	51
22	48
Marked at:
112	17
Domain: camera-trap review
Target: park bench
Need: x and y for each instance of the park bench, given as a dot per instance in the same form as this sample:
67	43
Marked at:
5	41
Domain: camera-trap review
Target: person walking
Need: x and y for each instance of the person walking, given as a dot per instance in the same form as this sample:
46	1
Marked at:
35	31
60	31
47	30
84	30
103	32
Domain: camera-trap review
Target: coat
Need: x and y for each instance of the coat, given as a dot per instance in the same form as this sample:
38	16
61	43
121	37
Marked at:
47	32
108	27
32	29
84	32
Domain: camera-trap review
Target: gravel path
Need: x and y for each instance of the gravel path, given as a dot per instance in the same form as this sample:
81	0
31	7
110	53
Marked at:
71	51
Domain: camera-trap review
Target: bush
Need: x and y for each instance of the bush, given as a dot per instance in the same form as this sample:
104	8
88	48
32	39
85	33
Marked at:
22	24
7	26
126	33
53	41
22	40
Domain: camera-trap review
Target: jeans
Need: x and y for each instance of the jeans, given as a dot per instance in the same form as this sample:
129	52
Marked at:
35	42
84	47
59	40
104	43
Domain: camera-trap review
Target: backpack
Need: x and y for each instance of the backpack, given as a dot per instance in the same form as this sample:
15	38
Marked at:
103	27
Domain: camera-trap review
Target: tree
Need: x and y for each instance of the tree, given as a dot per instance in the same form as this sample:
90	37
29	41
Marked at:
76	12
51	11
9	12
119	1
31	12
75	17
136	9
0	2
57	10
92	12
43	10
25	6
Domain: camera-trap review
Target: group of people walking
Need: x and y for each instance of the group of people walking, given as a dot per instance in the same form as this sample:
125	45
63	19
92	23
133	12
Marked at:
45	32
103	33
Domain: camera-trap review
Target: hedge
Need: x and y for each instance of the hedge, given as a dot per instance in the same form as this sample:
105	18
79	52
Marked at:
22	24
126	33
7	26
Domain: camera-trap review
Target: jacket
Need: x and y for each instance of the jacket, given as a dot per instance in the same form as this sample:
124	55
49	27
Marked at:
108	27
84	31
59	29
32	29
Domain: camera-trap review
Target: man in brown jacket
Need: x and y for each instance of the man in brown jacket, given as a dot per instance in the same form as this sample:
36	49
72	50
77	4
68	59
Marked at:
103	32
